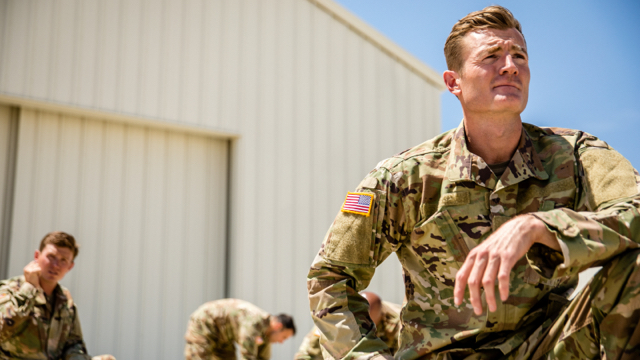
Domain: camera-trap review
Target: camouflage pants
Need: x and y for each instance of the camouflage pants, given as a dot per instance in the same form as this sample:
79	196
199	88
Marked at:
602	321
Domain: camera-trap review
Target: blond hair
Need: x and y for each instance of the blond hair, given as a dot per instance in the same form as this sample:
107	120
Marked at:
491	17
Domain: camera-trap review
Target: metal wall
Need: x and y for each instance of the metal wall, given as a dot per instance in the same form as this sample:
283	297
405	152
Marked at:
8	140
148	209
316	98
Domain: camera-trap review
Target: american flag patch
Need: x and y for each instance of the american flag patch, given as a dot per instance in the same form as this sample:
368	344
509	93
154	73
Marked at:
358	203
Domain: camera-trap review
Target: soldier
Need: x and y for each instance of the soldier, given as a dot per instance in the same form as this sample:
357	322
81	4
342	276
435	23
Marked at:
216	326
494	199
38	319
384	314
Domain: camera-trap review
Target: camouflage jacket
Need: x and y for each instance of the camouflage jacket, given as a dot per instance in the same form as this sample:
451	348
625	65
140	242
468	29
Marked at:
433	203
388	332
229	321
32	329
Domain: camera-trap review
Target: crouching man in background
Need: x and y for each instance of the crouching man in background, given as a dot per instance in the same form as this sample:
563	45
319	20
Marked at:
38	319
215	327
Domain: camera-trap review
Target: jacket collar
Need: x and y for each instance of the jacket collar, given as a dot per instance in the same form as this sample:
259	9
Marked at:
464	165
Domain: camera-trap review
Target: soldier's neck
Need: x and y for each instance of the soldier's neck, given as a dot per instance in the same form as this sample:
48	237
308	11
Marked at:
47	287
494	140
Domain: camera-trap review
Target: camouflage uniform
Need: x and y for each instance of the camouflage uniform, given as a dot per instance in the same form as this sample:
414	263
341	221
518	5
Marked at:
310	347
387	332
435	202
32	328
216	326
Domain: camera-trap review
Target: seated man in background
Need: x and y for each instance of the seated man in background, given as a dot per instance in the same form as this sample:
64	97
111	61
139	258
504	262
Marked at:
215	327
38	319
384	314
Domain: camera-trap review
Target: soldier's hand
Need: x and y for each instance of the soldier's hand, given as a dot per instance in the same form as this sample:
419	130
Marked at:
496	256
32	273
380	357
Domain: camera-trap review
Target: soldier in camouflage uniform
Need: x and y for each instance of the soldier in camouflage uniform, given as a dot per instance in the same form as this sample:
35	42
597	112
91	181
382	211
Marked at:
215	327
38	319
384	314
494	199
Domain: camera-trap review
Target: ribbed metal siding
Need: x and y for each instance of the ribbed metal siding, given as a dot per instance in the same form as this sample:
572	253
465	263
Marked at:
148	208
315	104
8	140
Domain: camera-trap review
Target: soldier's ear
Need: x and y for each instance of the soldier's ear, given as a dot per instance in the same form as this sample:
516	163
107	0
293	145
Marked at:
452	81
276	326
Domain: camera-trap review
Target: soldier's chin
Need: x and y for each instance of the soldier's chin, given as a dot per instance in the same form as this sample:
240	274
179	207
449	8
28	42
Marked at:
51	278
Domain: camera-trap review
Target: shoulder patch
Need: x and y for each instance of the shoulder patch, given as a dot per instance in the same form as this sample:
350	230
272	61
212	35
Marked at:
259	340
609	176
358	203
350	239
368	183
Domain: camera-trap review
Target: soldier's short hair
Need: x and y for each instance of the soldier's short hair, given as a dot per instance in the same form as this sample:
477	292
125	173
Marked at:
60	239
491	17
287	322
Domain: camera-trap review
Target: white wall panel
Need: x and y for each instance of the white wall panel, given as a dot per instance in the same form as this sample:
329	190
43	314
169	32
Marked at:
148	208
305	242
316	104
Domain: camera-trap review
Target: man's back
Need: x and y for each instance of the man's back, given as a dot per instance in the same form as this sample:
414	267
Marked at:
216	326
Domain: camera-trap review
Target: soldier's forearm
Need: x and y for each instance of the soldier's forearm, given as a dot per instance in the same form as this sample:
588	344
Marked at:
588	238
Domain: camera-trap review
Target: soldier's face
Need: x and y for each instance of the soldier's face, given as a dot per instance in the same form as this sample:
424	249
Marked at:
280	336
495	74
55	262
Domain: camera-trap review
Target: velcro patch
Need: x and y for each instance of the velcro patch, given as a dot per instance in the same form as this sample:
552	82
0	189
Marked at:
350	239
609	176
455	199
358	203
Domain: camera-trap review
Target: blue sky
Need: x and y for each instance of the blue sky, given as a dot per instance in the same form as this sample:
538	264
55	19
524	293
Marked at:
584	58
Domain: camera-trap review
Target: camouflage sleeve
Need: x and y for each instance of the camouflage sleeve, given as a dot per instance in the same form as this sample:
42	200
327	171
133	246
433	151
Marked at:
310	347
390	325
606	221
74	348
353	247
264	352
17	301
250	339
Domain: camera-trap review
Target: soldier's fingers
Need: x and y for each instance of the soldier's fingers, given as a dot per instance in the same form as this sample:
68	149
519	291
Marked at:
461	280
503	277
32	266
489	281
475	281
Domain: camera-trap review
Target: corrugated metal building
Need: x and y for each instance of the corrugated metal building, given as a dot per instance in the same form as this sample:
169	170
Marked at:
197	149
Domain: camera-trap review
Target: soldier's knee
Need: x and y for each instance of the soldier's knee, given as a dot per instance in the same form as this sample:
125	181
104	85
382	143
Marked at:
619	279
